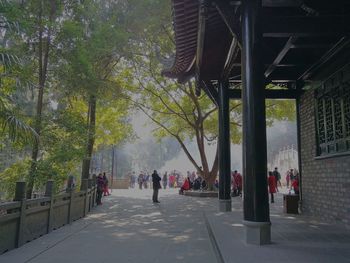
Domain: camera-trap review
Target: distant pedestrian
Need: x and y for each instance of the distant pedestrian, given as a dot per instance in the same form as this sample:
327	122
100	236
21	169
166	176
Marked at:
277	176
99	190
288	176
295	185
172	181
165	180
156	186
237	183
197	183
272	186
293	174
185	186
145	180
105	185
140	180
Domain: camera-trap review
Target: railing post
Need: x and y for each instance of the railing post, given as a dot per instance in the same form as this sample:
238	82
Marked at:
84	188
50	193
70	189
20	196
90	185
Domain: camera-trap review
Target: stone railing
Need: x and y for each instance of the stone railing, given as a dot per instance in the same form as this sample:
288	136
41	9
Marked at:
26	219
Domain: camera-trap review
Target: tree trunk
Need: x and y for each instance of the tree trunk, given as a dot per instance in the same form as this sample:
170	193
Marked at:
214	170
91	137
43	59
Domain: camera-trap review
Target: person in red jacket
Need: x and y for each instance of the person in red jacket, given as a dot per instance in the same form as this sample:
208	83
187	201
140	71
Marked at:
186	186
295	186
272	185
238	182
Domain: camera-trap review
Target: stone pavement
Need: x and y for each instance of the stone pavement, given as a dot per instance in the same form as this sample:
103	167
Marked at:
295	238
129	228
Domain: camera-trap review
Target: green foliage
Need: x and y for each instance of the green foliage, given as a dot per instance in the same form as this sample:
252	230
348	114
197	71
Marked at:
113	126
173	106
280	110
8	178
107	49
15	128
88	39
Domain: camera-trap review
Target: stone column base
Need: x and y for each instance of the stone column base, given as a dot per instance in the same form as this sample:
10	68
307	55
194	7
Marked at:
225	205
257	233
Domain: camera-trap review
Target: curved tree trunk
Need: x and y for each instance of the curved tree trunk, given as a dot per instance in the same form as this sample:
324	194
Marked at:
211	175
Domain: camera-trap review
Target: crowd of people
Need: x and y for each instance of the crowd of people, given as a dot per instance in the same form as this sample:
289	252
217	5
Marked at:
173	179
194	181
274	182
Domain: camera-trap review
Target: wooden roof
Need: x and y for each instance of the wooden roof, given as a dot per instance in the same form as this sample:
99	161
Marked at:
299	37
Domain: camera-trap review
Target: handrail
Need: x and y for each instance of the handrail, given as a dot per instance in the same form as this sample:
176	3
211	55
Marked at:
19	220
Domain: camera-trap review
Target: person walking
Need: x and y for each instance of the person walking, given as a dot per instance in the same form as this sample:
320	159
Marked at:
156	186
99	190
165	180
105	185
271	180
277	176
237	182
288	177
140	181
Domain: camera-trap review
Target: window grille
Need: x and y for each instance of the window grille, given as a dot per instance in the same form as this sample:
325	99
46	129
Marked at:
333	116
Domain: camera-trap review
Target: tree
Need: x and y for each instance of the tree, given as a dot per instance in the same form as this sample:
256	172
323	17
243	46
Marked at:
174	107
67	52
93	44
17	129
45	13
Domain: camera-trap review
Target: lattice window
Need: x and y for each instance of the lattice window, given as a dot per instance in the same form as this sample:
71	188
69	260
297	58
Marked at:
329	119
321	130
333	117
338	122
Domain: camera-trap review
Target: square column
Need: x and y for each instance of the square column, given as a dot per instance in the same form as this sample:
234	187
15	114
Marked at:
256	202
224	144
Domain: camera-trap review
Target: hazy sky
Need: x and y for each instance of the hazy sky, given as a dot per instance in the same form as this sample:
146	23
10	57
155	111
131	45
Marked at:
143	129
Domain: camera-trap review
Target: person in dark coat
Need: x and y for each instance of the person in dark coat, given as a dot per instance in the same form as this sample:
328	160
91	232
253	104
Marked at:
99	185
156	186
165	180
277	176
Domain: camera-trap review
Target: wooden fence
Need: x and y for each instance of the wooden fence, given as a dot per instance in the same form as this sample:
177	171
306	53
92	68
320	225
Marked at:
24	220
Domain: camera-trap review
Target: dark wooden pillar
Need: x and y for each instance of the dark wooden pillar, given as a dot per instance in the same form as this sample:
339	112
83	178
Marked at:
256	205
224	148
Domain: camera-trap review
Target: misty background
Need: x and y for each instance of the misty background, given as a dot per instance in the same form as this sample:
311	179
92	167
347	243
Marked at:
147	153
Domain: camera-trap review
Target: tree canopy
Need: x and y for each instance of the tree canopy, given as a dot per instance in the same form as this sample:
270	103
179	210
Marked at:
73	72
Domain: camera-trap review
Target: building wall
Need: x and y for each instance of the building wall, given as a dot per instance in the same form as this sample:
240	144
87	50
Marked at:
325	182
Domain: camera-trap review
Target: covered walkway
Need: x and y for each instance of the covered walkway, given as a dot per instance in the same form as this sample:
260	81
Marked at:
129	228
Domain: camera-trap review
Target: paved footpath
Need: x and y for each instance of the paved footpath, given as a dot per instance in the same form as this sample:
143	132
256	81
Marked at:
128	227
